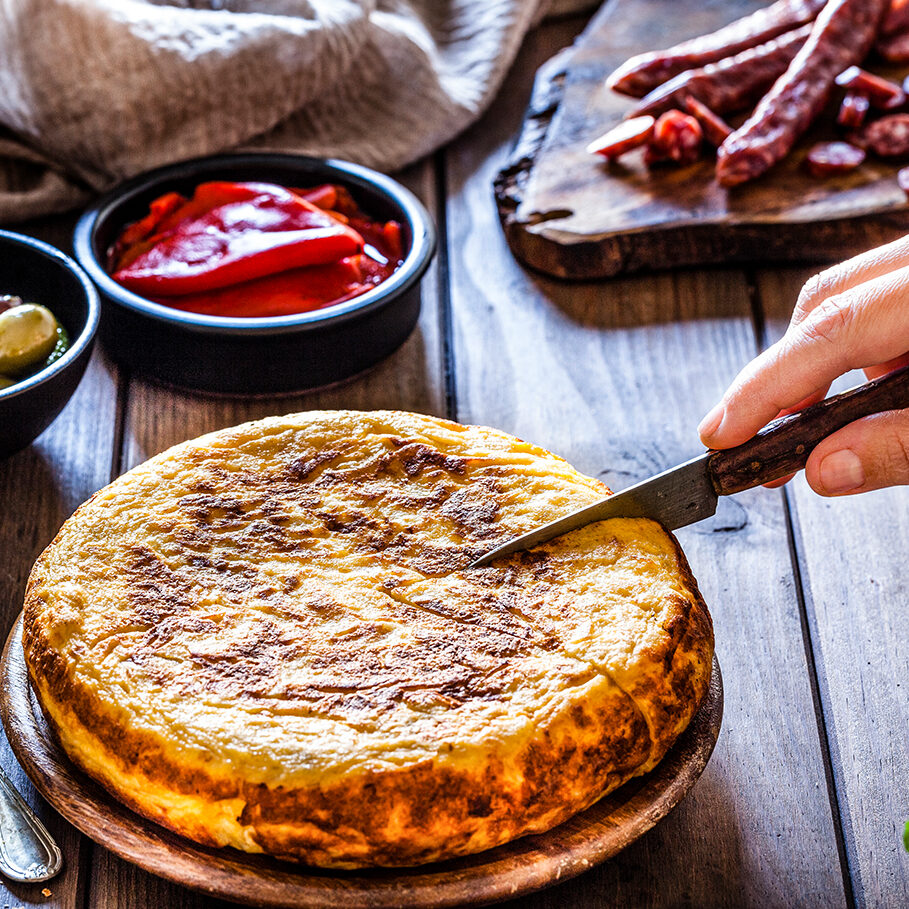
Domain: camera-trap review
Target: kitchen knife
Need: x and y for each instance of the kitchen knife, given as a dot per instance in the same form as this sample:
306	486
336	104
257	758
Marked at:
689	492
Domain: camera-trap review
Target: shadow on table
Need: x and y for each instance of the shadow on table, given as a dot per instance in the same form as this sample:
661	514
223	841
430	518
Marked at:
651	299
672	864
33	509
161	415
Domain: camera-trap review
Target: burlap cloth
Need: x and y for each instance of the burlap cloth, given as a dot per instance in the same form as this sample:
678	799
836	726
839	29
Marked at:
93	91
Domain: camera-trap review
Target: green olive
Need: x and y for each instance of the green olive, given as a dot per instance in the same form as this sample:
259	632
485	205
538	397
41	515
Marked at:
28	334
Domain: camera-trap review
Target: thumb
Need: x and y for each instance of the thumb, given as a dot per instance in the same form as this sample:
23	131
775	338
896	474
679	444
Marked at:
868	454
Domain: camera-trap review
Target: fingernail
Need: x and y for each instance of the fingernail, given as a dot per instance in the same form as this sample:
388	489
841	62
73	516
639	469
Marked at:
711	423
841	471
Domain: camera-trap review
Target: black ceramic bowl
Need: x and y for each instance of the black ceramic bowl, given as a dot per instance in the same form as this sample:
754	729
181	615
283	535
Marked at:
39	273
257	355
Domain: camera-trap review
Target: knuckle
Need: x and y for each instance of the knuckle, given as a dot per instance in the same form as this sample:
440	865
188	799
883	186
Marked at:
831	322
815	289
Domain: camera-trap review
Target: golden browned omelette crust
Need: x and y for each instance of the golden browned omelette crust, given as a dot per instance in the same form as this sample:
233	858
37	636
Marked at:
269	638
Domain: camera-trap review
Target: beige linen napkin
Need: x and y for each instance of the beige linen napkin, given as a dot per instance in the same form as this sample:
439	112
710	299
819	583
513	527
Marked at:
93	91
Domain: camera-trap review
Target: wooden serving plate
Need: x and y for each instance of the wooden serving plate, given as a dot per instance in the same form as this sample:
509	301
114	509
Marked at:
517	868
570	214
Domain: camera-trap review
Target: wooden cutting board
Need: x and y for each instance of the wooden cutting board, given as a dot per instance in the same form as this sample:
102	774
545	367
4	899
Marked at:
570	214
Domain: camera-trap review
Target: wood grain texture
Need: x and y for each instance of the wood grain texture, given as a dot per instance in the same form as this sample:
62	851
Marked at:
525	865
570	214
615	376
852	554
39	488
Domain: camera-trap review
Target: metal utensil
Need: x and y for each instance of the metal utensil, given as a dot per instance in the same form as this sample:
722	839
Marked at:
689	492
28	852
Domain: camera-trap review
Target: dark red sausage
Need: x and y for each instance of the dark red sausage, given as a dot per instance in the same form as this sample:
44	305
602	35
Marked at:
889	136
645	72
829	158
841	37
732	84
715	128
879	91
623	138
677	137
894	48
896	18
853	110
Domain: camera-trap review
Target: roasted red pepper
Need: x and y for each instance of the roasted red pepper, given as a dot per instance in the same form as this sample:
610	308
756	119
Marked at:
299	290
261	230
255	249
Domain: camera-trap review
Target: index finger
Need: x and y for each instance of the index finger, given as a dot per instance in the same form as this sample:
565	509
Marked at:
868	266
864	326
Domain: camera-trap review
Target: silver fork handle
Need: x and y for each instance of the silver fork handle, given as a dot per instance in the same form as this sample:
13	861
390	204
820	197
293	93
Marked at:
28	852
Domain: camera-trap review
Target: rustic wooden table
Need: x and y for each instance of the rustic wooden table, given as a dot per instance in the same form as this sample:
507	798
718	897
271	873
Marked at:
804	800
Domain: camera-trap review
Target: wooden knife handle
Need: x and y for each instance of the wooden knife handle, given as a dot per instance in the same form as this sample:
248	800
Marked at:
783	446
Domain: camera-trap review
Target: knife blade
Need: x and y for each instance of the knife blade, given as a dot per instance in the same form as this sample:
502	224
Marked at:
688	493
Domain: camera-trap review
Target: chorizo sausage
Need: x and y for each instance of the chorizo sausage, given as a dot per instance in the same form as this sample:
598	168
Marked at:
842	35
715	128
894	48
853	110
827	159
896	19
645	72
879	91
889	136
677	137
732	84
627	135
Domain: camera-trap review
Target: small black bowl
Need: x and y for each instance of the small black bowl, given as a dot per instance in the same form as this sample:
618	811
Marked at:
39	273
257	355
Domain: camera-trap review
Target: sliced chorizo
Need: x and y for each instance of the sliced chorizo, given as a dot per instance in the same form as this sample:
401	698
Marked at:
715	128
853	110
879	91
894	48
888	137
896	19
827	159
676	137
628	135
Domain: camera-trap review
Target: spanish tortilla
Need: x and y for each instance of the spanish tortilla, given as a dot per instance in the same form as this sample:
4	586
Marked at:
269	638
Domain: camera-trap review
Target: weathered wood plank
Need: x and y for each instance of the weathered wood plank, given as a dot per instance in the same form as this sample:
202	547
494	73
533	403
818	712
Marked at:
158	417
39	488
852	554
615	376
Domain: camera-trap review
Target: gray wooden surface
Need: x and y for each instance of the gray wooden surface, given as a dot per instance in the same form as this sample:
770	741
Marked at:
804	799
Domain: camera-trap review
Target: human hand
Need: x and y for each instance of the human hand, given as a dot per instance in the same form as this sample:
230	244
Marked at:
852	316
